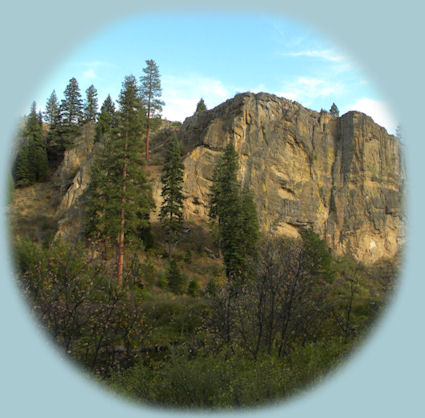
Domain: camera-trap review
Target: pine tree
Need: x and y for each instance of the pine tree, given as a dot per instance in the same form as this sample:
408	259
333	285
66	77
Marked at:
71	107
249	224
90	107
120	195
177	282
171	213
107	120
334	111
200	106
151	92
22	173
225	209
52	115
31	162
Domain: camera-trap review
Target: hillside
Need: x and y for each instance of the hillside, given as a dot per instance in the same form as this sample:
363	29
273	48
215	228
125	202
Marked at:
232	316
341	176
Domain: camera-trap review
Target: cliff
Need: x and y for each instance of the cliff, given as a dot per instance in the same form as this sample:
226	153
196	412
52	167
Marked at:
341	176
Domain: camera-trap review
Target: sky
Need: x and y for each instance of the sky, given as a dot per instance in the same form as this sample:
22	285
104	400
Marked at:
216	56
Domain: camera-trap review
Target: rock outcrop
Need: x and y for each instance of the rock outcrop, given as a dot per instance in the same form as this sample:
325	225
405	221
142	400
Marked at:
341	176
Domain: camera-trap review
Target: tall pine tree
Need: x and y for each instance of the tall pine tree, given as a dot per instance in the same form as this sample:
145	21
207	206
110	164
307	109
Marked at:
51	114
91	105
31	162
171	213
225	209
120	195
151	93
107	120
71	107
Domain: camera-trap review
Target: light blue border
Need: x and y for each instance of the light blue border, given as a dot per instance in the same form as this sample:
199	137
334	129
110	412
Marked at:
385	377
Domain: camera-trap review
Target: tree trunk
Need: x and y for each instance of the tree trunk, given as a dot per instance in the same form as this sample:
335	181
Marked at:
147	127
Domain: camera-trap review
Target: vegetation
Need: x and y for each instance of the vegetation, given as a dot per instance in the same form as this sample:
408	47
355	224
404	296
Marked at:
151	93
90	107
31	162
120	195
171	213
334	111
201	106
174	313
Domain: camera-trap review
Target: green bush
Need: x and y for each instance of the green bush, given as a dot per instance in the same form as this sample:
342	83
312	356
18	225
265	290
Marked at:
177	281
194	290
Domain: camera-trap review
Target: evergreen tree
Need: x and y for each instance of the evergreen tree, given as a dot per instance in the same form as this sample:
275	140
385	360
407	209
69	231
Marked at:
22	173
151	92
177	282
52	115
90	107
171	213
120	195
235	216
249	223
107	120
334	111
31	162
71	107
200	106
225	209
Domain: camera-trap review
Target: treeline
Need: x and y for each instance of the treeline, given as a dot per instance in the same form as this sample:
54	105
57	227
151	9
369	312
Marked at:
46	135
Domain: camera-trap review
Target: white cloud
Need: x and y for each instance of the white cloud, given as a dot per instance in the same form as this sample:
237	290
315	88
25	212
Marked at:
306	89
181	94
377	110
325	54
89	74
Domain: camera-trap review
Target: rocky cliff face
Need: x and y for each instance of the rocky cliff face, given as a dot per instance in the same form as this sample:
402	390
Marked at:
341	176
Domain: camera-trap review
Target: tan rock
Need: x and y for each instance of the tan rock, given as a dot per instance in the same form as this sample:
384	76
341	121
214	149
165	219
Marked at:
341	176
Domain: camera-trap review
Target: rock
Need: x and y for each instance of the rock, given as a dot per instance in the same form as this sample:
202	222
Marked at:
73	177
341	176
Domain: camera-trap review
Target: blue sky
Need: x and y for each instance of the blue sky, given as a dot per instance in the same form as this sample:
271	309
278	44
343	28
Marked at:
216	56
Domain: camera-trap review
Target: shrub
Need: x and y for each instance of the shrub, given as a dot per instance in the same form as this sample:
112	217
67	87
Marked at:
176	280
193	289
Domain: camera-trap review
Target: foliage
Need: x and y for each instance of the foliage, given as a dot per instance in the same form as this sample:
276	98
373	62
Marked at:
225	209
200	107
334	111
71	108
193	289
151	89
120	195
151	93
85	312
171	212
52	114
90	106
31	162
107	120
202	380
177	281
